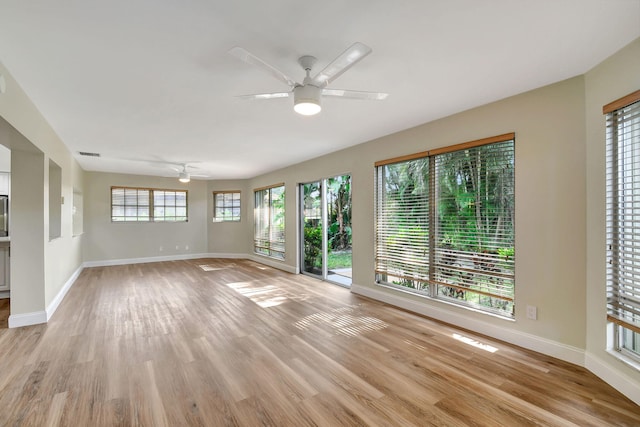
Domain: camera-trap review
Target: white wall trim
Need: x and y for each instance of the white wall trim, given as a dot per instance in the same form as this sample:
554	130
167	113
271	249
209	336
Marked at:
259	259
273	263
613	377
227	255
27	319
53	306
108	262
552	348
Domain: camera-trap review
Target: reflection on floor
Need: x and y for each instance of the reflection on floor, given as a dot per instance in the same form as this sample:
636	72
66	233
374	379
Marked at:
4	313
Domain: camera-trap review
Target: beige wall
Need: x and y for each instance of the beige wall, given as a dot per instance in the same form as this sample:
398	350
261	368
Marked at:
230	238
614	78
550	202
27	231
40	268
108	241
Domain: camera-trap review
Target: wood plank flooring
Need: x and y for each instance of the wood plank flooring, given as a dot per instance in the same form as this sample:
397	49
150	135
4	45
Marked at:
5	310
213	342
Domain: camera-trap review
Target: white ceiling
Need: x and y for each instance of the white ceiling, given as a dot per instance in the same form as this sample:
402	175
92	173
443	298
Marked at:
152	80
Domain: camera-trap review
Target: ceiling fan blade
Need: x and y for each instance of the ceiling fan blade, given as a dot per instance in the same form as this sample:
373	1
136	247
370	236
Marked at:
342	63
251	59
266	95
355	94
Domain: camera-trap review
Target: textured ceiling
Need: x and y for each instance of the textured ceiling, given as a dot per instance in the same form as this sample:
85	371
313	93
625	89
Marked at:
152	80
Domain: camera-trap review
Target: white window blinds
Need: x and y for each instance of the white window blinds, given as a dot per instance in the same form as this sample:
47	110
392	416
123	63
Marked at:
269	222
148	204
402	221
445	223
623	212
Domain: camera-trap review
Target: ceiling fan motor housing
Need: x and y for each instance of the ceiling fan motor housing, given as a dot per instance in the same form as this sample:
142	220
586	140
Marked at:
306	99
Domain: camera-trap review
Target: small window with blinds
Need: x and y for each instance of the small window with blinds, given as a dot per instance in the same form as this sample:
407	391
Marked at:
226	206
130	204
269	222
623	228
445	224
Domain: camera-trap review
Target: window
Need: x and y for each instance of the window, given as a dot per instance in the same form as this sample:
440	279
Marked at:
445	224
623	229
226	206
146	205
269	221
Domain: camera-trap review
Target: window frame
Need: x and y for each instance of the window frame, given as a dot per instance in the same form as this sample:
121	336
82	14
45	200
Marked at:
622	283
424	279
227	218
265	241
151	206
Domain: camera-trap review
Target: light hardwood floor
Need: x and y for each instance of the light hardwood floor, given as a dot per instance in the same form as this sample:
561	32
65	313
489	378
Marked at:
214	342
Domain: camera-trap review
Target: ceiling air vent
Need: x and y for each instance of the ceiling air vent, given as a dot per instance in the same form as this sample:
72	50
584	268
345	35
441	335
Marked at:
84	153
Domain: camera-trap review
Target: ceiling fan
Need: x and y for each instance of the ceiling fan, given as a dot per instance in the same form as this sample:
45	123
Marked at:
183	172
306	95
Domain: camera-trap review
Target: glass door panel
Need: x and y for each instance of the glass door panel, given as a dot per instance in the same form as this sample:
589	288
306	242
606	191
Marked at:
312	228
338	234
325	212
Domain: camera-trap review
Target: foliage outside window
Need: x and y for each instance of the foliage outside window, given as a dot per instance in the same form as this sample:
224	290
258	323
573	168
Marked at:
623	229
226	206
130	204
338	216
445	224
269	222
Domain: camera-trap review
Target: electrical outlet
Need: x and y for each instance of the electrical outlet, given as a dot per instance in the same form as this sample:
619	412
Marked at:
161	248
177	248
532	312
186	248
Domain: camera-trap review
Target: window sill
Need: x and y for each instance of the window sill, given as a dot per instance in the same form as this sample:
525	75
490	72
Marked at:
627	360
450	304
269	256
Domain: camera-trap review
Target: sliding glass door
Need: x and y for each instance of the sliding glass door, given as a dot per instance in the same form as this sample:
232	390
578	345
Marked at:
312	228
325	212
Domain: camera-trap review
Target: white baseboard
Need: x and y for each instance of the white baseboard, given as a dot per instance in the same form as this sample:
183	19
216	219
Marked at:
272	263
259	259
613	377
175	257
37	317
53	306
552	348
27	319
227	255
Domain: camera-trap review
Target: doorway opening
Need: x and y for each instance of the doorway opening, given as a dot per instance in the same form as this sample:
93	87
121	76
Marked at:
325	229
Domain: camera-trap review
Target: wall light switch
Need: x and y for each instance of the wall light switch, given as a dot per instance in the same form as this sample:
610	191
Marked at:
532	312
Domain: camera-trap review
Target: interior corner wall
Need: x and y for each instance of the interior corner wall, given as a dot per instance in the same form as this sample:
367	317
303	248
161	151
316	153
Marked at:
614	78
61	258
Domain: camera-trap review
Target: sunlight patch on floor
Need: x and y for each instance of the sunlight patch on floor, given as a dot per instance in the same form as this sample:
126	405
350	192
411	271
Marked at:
266	295
343	321
475	343
216	266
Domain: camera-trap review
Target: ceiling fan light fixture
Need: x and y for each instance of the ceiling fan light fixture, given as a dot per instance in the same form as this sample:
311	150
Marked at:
184	177
306	100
